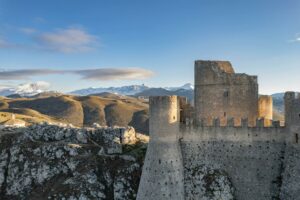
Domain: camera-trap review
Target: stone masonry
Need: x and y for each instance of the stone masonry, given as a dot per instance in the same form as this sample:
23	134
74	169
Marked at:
222	93
211	155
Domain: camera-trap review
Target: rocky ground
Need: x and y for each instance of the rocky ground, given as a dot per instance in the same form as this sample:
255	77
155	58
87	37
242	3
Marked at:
59	162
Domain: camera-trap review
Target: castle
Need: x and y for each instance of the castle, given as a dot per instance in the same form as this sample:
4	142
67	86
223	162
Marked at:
227	140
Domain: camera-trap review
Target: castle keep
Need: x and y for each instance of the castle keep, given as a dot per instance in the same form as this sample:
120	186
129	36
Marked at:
226	147
221	93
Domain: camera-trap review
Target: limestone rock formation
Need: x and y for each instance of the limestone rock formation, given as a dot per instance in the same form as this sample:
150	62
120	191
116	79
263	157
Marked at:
60	162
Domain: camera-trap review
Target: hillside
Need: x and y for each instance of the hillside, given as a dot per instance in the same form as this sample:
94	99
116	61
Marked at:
105	109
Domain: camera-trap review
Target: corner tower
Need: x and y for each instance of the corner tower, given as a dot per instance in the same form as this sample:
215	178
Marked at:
162	176
292	116
221	93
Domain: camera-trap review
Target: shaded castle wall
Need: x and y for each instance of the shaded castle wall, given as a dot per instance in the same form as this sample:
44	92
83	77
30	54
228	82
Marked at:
190	160
220	93
162	176
290	189
291	177
265	108
292	109
252	158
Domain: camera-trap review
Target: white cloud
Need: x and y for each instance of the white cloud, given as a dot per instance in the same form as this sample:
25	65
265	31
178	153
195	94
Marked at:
100	74
104	74
69	40
25	73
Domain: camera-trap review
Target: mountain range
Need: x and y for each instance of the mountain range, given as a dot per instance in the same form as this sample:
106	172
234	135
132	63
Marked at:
109	106
32	89
27	89
127	90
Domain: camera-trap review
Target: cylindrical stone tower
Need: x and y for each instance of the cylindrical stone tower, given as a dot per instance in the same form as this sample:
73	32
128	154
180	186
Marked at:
162	176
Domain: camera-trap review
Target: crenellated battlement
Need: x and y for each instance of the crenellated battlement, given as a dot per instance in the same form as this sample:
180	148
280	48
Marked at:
230	129
260	123
238	134
220	72
292	95
158	100
231	122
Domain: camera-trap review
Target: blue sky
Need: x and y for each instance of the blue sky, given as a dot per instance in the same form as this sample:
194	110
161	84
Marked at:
76	44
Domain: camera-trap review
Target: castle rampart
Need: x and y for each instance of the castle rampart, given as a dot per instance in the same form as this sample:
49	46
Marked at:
251	157
224	149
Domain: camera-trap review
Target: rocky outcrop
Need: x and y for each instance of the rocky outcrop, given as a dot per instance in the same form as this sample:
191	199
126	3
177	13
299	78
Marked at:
60	162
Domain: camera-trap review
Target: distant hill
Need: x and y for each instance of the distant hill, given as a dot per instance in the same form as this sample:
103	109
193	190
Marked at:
278	103
106	109
99	106
47	94
14	96
154	92
163	92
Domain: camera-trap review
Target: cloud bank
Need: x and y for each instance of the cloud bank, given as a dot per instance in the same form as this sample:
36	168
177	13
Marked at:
101	74
25	73
105	74
67	40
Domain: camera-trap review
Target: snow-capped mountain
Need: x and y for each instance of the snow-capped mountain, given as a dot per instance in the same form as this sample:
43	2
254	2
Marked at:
187	86
31	89
27	89
126	90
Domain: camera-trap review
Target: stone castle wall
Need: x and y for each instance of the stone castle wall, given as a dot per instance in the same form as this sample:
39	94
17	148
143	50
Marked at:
221	93
251	158
197	160
220	150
